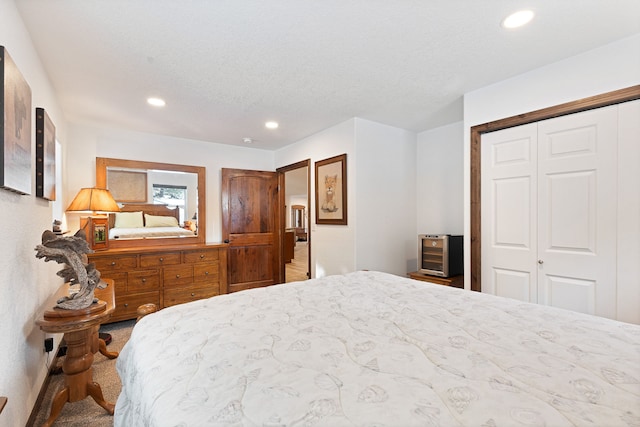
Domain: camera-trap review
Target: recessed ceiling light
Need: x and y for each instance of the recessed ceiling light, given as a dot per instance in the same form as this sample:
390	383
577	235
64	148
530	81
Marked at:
518	19
156	102
271	125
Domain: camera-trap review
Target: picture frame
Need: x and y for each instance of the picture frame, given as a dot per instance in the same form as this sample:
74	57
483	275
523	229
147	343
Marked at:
96	229
45	156
331	190
15	127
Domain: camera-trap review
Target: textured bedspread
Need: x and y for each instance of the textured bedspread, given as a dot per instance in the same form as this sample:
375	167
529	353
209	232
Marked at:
372	349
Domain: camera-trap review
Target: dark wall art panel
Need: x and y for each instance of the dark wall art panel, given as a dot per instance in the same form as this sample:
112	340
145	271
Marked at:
45	156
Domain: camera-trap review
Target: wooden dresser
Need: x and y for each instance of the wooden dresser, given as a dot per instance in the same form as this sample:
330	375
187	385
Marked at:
164	276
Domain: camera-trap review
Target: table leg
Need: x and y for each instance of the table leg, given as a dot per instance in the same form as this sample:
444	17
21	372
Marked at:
78	373
59	400
102	347
95	391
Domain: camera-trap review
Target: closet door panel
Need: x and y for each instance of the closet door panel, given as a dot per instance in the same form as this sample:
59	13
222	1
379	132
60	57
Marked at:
577	189
508	213
570	293
629	212
515	284
571	212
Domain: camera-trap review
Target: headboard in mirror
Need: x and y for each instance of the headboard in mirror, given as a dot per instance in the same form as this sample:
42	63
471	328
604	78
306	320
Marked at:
157	189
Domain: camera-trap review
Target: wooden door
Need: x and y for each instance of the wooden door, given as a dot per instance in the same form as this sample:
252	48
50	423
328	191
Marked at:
250	213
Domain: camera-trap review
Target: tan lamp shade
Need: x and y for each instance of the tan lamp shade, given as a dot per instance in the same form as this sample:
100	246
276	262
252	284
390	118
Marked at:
93	200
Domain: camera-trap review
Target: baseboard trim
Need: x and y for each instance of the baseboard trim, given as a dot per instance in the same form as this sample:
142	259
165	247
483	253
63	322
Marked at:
53	370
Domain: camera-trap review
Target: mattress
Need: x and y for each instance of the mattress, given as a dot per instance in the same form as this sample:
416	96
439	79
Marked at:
148	232
374	349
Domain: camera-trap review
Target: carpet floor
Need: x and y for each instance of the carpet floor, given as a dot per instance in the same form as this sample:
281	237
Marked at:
87	412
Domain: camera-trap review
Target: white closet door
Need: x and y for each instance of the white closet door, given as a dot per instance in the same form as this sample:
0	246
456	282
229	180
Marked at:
549	196
577	195
509	216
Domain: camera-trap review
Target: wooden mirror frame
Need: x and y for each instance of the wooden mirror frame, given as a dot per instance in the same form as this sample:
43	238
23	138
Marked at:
102	163
297	211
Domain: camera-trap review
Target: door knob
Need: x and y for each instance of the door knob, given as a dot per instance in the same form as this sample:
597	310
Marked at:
540	262
226	240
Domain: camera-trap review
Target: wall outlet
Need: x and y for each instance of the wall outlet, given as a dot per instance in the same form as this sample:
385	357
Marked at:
48	344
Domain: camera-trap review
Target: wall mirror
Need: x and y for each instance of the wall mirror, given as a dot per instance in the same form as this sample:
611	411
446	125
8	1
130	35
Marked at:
298	221
297	216
136	185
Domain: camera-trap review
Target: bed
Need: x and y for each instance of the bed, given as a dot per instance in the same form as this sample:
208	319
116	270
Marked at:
374	349
143	220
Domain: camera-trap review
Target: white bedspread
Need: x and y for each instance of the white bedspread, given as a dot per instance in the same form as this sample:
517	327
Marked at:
145	232
372	349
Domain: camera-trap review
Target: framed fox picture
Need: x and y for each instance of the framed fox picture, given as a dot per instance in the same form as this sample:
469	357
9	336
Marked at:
331	190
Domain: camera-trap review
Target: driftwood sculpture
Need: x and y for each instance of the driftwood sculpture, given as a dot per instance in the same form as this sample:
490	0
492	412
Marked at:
72	251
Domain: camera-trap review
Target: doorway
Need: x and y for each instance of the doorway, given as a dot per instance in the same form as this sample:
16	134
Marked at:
294	204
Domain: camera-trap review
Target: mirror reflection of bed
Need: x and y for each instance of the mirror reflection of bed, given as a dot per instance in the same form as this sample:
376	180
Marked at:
144	221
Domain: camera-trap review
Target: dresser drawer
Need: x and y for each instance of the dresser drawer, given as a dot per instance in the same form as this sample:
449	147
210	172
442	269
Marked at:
144	280
120	263
180	296
201	256
127	305
119	281
158	260
177	276
206	273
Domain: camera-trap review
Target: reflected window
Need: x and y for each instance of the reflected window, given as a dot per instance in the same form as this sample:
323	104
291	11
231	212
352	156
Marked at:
172	196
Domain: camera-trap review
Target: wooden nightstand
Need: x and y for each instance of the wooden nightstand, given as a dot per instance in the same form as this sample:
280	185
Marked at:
454	281
80	328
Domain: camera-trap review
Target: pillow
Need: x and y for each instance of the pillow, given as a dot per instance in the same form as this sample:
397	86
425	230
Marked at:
129	220
160	221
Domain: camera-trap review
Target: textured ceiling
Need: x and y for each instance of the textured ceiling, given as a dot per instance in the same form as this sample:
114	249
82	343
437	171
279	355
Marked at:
226	67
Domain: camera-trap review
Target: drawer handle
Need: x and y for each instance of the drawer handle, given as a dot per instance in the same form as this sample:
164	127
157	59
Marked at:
126	305
144	280
202	256
161	259
113	263
177	276
206	273
193	294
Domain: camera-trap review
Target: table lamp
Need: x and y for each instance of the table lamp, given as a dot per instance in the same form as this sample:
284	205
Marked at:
96	226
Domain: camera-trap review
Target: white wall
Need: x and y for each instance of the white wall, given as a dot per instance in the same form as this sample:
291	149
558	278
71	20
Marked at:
440	188
87	142
380	231
332	246
611	67
25	282
385	208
